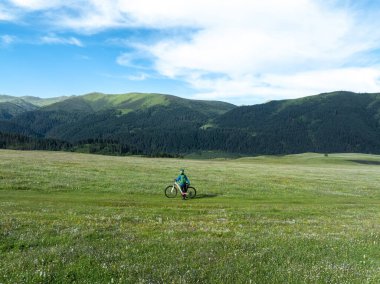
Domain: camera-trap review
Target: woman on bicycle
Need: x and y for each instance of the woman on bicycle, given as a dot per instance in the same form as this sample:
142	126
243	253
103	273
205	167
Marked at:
183	182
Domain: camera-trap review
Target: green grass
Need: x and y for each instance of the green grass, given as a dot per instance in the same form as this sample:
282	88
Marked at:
207	155
130	101
81	218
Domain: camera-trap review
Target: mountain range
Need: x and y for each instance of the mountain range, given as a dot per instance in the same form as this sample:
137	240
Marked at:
158	124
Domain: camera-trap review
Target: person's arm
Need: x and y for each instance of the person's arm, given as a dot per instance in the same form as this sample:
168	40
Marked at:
187	180
177	179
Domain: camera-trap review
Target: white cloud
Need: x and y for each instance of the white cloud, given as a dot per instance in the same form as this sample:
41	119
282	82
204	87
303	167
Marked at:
248	89
53	39
7	39
238	48
125	59
6	14
353	79
138	77
92	16
134	77
272	49
37	4
135	59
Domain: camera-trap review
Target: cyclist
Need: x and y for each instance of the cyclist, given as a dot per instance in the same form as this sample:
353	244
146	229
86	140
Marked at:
183	182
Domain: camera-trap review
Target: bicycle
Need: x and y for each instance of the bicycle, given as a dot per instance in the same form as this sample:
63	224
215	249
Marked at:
171	191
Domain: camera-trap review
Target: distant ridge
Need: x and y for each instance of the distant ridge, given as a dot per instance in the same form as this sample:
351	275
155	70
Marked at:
36	101
94	102
158	124
329	122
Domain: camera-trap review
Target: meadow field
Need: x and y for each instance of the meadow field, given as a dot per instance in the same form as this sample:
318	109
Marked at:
80	218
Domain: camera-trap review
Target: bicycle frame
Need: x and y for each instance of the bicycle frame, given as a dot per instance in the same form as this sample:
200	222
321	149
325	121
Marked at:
172	191
179	188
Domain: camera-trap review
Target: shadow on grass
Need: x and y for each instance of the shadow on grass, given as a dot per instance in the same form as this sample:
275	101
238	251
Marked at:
206	195
366	162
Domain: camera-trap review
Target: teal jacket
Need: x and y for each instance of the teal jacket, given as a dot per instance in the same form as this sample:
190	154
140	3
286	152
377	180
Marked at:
182	179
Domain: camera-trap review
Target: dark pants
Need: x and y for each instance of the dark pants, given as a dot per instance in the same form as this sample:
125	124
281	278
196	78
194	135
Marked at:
184	187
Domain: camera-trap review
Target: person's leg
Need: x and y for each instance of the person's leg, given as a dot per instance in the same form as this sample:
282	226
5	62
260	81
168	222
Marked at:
183	186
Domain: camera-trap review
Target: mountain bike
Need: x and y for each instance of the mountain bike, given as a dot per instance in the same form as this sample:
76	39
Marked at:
171	191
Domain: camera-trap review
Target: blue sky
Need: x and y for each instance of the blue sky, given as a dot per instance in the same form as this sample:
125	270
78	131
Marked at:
240	51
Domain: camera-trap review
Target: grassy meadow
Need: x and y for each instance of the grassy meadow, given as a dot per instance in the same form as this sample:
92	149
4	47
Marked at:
79	218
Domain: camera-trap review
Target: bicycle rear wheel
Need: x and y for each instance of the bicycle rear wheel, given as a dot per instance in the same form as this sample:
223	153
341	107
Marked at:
171	191
191	192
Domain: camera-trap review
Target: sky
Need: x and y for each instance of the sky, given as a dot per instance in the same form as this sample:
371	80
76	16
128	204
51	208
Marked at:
239	51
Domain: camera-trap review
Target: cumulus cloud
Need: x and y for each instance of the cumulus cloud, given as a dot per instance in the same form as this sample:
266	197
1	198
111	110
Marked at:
272	49
270	86
240	48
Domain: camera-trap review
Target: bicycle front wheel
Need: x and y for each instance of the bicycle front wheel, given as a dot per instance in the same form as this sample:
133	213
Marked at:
171	191
191	192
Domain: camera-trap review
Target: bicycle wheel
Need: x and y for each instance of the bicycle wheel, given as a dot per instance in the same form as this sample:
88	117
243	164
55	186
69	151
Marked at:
191	192
171	191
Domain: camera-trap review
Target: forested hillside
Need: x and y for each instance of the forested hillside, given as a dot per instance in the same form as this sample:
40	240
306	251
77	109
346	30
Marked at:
13	108
332	122
156	124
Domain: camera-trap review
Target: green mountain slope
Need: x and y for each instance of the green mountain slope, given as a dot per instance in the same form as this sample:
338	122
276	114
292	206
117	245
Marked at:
99	115
332	122
14	107
156	123
96	102
126	103
11	107
38	102
41	102
5	98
